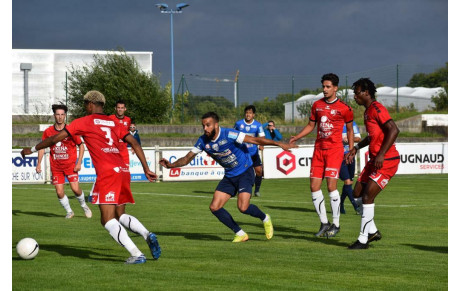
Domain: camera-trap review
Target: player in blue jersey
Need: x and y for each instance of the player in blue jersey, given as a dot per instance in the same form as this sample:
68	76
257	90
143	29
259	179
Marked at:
347	171
226	146
252	127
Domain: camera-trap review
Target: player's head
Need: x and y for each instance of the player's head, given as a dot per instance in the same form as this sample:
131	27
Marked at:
93	98
132	127
271	124
120	108
330	84
364	88
210	122
60	112
249	113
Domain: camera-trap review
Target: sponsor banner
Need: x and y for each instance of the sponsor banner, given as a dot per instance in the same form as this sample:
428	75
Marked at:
23	170
88	173
417	158
202	167
283	164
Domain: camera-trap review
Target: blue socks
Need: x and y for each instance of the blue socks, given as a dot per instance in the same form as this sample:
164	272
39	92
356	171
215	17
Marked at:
226	219
257	182
347	190
254	211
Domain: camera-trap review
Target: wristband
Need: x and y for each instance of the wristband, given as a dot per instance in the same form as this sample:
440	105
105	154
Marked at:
357	147
33	149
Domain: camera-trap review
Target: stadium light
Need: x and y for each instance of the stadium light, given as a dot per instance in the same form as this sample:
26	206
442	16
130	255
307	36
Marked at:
164	9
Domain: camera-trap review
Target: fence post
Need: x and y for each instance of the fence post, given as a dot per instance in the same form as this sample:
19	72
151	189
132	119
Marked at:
397	88
182	100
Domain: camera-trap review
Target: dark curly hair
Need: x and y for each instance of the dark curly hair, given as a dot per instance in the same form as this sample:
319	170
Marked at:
365	84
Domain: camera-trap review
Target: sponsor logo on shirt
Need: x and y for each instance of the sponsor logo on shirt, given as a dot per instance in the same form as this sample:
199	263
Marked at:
222	142
110	150
232	134
104	122
215	147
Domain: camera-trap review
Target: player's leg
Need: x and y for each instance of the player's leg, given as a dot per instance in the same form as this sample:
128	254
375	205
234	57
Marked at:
257	164
319	204
217	208
75	186
58	182
333	160
119	233
343	175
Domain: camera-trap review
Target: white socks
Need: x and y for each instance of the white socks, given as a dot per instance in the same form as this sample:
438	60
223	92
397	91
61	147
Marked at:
134	225
318	202
65	203
335	206
81	199
367	223
119	234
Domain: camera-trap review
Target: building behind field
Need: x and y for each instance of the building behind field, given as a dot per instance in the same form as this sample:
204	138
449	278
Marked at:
46	74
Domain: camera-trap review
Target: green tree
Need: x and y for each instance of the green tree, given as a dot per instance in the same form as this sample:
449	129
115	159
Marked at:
438	78
119	77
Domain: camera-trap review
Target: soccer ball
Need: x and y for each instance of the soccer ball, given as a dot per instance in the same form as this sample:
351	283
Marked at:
27	248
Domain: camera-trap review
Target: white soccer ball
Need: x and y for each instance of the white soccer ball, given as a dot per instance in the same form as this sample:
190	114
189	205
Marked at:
27	248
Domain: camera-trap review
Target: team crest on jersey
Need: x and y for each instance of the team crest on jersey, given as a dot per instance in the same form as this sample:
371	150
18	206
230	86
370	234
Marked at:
207	146
215	147
248	128
333	112
125	123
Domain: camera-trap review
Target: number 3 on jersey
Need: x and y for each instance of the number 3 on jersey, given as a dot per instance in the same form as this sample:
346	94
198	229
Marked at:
108	135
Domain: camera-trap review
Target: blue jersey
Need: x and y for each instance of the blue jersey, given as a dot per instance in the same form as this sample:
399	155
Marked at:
253	129
227	149
356	133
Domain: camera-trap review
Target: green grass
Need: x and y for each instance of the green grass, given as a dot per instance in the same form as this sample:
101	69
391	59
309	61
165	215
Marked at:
197	253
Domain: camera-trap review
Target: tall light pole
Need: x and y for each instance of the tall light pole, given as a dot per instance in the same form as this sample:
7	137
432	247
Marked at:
164	9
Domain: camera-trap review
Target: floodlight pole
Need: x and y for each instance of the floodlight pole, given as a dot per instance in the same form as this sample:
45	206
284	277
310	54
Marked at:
172	12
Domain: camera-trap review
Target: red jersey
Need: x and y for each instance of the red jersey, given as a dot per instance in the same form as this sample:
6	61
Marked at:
125	122
330	118
375	116
101	135
64	153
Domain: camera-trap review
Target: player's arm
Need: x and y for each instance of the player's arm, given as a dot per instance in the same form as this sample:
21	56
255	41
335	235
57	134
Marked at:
45	143
390	133
306	130
81	152
350	134
185	160
41	153
264	141
151	176
352	153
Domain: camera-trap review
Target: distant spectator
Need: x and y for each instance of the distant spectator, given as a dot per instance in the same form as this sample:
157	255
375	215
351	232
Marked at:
271	132
135	133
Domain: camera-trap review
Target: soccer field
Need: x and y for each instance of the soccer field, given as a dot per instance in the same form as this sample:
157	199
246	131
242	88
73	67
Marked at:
197	252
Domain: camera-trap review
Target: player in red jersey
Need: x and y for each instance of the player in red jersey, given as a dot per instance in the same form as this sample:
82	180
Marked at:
330	113
112	188
64	162
383	158
125	122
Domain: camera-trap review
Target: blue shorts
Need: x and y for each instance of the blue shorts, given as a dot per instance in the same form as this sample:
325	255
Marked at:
256	161
347	171
239	184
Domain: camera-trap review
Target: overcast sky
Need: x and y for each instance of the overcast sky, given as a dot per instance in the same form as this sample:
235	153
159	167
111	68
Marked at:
270	37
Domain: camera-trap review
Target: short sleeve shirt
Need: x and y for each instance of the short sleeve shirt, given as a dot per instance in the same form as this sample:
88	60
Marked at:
330	118
228	150
64	153
375	116
253	129
101	135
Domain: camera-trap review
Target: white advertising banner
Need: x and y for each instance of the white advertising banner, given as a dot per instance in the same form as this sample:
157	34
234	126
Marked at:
283	164
88	173
417	158
23	170
202	167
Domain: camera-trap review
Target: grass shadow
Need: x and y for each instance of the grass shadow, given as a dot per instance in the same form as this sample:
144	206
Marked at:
78	252
442	250
299	209
191	236
35	213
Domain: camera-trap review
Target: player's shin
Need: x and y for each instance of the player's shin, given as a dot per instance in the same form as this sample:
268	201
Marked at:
133	224
367	220
335	206
120	235
226	219
318	202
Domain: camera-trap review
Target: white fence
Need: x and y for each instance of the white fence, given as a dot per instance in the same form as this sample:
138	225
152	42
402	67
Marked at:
416	158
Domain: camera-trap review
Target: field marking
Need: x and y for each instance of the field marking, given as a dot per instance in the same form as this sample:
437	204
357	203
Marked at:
258	201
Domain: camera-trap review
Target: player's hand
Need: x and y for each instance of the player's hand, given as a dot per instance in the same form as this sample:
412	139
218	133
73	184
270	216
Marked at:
350	155
261	147
151	176
132	151
378	161
287	146
38	169
25	152
165	163
292	139
77	168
